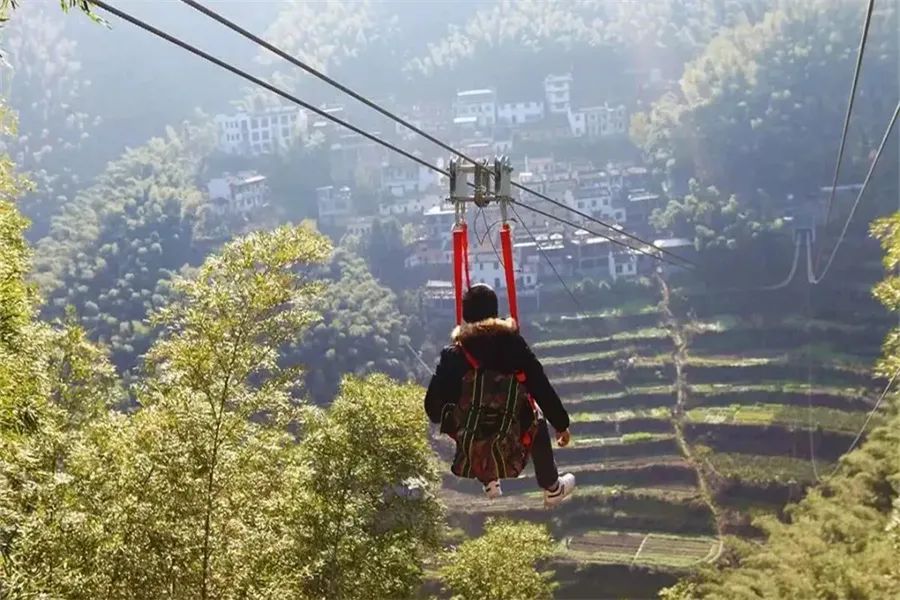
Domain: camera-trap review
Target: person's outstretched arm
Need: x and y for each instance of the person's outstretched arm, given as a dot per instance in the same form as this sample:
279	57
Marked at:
542	391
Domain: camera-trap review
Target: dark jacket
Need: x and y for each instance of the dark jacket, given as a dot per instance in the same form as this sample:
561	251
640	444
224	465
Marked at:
496	345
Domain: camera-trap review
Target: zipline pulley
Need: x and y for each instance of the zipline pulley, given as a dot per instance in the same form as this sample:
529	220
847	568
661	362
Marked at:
490	184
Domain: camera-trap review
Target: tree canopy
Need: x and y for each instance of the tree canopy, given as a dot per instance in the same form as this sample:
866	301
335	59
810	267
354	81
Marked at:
362	330
502	564
219	484
773	95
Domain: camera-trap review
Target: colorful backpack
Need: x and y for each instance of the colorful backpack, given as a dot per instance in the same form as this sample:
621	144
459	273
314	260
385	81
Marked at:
490	441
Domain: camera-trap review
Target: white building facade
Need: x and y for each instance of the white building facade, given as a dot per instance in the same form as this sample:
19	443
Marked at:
414	206
263	132
239	193
481	104
558	93
402	179
335	206
518	113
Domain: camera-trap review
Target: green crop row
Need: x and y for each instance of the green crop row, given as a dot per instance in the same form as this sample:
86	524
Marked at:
766	414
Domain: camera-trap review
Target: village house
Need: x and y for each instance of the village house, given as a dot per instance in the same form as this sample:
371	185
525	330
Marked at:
552	128
356	160
591	255
438	222
237	194
640	205
360	226
623	262
335	207
558	93
678	246
512	114
413	206
480	104
401	177
599	121
264	131
552	246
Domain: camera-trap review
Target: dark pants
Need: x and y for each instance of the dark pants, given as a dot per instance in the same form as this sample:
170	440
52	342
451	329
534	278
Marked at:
542	455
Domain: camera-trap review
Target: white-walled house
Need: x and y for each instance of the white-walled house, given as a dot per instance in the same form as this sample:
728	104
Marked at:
335	206
599	121
485	267
237	194
480	104
558	93
414	205
623	263
403	178
517	113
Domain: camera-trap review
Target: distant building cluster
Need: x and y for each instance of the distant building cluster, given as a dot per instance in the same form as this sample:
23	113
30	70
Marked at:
552	116
482	124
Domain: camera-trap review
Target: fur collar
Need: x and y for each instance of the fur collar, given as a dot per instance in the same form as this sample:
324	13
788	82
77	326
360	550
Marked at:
486	328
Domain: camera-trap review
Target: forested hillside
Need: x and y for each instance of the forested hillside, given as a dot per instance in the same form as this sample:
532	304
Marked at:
213	352
764	95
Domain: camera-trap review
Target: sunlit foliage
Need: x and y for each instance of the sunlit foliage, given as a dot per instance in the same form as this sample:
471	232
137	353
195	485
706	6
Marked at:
502	564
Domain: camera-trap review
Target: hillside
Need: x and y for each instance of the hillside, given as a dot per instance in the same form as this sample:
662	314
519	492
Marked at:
723	416
211	371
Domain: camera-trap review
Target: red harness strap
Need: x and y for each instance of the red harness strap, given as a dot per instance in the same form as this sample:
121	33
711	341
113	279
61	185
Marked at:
460	266
473	362
506	245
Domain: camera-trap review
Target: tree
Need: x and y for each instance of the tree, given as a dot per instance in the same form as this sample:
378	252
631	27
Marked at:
46	86
501	564
219	484
710	219
385	250
112	253
7	6
762	107
362	330
52	383
369	516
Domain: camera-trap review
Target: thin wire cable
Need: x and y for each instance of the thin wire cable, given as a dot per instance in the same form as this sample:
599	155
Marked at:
491	240
856	73
396	118
809	377
593	219
419	358
253	79
865	424
581	312
275	90
768	288
787	280
887	133
583	228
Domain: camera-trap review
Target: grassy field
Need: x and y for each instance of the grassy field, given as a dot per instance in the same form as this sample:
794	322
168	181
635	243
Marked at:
769	414
764	469
642	548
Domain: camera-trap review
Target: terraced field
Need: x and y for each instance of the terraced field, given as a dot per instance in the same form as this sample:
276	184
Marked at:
685	429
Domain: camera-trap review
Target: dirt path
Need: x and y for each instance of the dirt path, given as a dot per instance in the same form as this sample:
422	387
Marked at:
679	333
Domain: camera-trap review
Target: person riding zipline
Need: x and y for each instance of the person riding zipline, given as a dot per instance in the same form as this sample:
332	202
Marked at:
490	394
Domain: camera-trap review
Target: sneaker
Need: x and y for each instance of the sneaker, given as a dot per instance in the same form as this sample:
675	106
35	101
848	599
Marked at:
492	489
564	487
